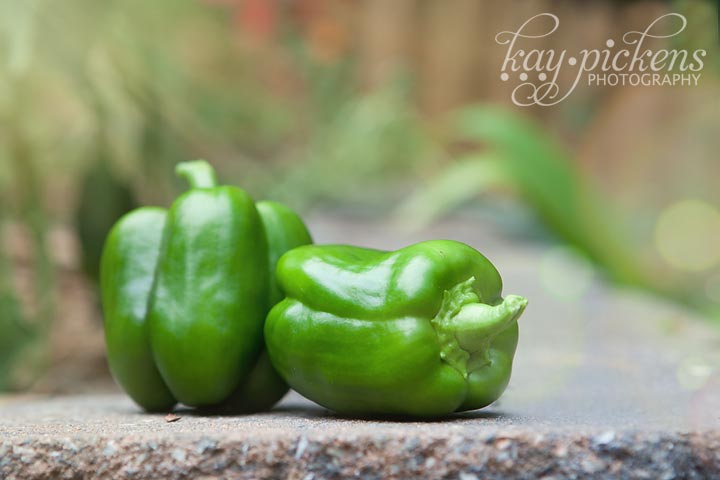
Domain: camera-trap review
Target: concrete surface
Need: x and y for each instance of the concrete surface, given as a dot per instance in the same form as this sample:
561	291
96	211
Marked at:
607	384
105	437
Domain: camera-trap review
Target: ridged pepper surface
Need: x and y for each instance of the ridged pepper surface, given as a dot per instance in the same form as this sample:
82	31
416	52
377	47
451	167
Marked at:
422	331
185	293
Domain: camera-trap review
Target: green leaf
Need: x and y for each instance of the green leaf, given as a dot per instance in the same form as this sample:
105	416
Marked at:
551	185
15	333
460	182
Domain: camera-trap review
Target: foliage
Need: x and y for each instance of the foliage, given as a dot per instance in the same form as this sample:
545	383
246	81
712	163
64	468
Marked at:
102	98
513	153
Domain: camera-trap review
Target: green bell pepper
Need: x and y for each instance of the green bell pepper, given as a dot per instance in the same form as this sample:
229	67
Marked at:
185	293
126	274
422	331
264	387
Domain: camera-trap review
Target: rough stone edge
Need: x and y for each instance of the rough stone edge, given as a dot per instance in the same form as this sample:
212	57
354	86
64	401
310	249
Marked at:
493	456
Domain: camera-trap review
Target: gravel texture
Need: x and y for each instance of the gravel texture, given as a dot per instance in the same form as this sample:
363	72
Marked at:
607	384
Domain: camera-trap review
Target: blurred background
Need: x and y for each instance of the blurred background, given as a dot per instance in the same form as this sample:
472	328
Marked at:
360	113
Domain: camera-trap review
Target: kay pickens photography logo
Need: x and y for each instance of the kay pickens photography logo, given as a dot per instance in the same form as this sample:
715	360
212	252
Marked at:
631	63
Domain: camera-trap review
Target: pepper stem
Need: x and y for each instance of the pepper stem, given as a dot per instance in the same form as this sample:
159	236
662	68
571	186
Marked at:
198	173
476	323
465	326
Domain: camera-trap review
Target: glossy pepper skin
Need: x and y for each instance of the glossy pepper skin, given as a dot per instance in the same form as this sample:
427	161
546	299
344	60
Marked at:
127	268
264	387
211	290
422	331
185	293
